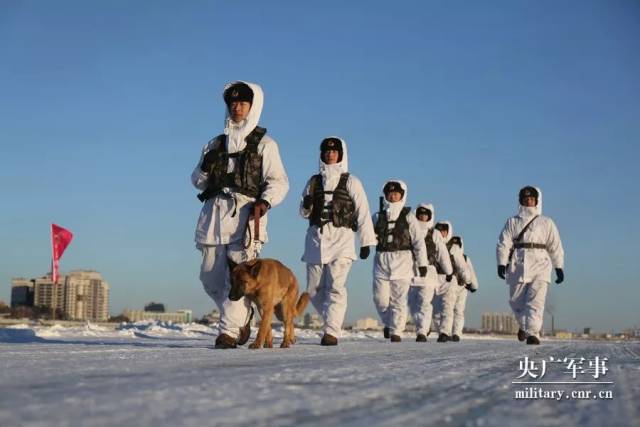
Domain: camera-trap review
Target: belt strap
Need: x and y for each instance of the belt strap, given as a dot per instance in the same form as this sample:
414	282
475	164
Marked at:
529	246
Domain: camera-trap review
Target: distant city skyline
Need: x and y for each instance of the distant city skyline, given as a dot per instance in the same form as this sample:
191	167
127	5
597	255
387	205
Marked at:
107	106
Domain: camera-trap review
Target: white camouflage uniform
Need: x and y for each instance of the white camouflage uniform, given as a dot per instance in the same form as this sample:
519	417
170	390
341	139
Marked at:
528	272
330	250
447	293
220	232
393	270
423	288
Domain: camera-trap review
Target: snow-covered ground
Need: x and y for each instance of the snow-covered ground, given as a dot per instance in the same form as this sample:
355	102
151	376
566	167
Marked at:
154	374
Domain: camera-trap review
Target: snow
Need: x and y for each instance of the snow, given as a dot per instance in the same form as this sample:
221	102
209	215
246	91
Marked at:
163	374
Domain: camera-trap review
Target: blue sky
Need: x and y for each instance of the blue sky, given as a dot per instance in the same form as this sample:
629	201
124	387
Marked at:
106	105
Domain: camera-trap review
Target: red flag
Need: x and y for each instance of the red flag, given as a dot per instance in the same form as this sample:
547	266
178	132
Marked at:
60	239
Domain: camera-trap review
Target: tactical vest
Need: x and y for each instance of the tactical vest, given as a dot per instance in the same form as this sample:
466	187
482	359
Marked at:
246	176
401	240
432	249
341	211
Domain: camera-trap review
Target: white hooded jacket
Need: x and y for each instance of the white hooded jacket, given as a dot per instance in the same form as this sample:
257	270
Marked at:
331	243
398	265
459	265
441	255
528	265
222	219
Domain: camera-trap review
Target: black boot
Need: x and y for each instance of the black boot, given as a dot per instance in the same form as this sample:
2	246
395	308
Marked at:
443	338
225	341
522	335
421	338
455	338
532	339
385	332
395	338
328	340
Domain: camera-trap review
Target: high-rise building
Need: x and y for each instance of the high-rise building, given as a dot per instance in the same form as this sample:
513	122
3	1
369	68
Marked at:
79	295
21	292
86	296
49	294
502	323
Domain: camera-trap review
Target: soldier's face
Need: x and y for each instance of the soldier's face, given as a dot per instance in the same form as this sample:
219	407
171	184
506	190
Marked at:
239	110
530	202
393	196
423	218
330	157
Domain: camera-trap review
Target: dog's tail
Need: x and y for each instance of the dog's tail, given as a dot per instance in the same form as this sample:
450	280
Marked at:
302	303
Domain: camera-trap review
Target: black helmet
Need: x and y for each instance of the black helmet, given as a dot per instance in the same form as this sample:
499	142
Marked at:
393	186
239	92
331	144
528	191
441	226
424	211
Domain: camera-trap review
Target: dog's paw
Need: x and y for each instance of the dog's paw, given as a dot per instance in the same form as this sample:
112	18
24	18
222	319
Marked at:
255	346
285	344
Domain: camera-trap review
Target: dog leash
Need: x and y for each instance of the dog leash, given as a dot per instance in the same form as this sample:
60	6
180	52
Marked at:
257	245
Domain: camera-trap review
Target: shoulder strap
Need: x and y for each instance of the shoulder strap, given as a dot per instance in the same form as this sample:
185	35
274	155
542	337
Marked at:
343	180
315	181
255	136
517	239
219	144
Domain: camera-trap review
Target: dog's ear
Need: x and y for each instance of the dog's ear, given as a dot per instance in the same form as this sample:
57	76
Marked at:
254	268
231	264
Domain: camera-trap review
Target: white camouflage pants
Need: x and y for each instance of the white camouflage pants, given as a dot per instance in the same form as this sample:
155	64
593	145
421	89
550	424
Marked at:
458	311
446	304
326	284
214	275
420	307
390	298
527	302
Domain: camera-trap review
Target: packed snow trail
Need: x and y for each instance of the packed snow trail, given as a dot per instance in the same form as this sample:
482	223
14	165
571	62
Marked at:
167	379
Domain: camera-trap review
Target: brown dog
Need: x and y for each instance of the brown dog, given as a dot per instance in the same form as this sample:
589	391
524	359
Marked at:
272	287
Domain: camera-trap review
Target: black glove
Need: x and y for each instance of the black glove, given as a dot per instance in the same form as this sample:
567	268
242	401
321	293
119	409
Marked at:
423	271
469	288
307	202
559	275
502	271
364	252
207	161
263	207
449	277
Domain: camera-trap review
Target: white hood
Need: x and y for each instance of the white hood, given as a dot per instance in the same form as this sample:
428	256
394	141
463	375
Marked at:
394	209
331	173
426	226
525	212
237	132
450	234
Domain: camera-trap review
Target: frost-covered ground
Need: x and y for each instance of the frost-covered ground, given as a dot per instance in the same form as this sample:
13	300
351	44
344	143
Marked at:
170	375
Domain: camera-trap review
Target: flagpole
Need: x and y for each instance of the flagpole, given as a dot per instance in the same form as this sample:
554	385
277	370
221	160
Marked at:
53	288
51	237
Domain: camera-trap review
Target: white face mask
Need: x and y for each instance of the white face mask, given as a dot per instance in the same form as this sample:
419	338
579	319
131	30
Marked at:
393	209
